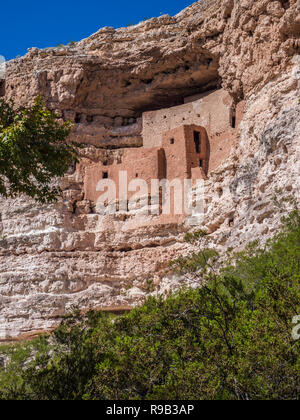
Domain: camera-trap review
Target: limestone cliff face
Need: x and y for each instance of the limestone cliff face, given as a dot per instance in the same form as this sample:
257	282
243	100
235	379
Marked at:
53	257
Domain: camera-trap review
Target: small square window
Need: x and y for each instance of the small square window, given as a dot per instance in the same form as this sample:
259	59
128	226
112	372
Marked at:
233	118
105	175
172	141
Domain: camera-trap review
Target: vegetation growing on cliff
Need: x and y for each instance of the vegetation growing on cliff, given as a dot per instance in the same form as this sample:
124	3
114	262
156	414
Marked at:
231	339
33	151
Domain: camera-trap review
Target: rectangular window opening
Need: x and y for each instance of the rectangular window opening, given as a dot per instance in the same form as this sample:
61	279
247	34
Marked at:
233	118
197	141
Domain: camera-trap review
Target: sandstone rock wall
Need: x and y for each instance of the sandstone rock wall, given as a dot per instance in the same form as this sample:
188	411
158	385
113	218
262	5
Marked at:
52	257
212	111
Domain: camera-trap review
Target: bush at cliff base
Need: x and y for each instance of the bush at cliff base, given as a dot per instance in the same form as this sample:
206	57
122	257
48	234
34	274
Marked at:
230	339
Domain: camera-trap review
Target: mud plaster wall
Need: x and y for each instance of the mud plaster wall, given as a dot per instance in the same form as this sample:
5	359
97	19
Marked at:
212	111
137	162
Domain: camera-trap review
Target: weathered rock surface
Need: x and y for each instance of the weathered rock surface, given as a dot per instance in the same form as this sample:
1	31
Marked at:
53	257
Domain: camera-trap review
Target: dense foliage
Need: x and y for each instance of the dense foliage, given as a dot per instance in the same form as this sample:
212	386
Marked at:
33	151
230	339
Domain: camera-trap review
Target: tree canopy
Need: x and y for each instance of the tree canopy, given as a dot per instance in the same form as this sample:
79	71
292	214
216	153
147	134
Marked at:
33	151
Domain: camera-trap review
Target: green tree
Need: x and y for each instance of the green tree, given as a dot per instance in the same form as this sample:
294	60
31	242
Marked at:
33	151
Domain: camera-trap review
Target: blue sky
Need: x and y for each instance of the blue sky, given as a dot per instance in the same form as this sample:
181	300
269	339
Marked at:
41	24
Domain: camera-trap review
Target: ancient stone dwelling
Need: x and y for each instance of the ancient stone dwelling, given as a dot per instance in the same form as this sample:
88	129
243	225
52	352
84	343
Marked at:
187	141
211	93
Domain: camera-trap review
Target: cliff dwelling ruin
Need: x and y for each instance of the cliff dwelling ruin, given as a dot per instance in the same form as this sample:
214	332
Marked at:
187	141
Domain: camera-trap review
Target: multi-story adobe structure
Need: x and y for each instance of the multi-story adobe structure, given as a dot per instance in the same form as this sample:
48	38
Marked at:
182	142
